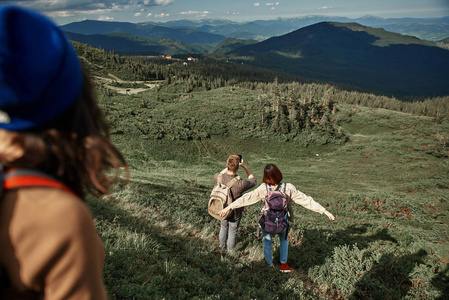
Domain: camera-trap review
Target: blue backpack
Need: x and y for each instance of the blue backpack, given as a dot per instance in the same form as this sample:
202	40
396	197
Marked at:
274	212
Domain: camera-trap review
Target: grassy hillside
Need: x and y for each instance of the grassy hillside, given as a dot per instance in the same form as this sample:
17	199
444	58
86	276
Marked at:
387	185
369	59
230	44
125	43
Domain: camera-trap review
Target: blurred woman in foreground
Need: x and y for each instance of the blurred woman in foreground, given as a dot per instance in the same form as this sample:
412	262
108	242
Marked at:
54	148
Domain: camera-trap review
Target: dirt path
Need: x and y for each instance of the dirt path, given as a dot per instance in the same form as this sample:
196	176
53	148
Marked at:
106	83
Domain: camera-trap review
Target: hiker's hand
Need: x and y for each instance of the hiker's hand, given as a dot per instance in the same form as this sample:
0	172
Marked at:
224	211
329	215
243	165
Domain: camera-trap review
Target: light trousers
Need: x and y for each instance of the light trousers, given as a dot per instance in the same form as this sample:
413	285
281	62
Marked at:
228	234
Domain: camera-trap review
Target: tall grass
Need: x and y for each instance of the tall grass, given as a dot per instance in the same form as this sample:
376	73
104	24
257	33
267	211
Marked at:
388	187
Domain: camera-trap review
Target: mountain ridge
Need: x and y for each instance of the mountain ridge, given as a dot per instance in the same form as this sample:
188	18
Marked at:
183	34
364	57
424	28
128	44
360	57
432	29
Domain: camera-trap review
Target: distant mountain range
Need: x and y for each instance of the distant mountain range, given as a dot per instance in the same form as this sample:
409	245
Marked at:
432	29
351	54
221	36
215	30
183	34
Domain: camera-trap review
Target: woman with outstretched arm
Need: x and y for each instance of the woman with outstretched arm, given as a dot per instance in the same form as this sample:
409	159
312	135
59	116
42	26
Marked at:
272	180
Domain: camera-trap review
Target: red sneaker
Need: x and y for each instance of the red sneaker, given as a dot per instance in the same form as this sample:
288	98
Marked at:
285	268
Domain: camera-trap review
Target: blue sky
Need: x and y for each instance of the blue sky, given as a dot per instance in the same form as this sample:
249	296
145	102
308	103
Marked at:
67	11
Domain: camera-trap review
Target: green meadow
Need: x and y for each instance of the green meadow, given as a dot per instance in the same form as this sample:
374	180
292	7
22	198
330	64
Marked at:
384	174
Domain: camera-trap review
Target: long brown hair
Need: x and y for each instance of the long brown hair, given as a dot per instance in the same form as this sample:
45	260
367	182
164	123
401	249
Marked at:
75	147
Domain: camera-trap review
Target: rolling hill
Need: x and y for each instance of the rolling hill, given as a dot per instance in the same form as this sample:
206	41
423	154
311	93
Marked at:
230	44
128	44
367	58
183	34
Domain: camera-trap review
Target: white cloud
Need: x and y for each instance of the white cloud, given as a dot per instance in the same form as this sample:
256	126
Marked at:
193	12
163	2
75	5
60	14
105	18
88	6
272	4
231	13
149	14
161	15
256	4
137	14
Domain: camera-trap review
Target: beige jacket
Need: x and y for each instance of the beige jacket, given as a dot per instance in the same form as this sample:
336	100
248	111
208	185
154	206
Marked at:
292	193
49	246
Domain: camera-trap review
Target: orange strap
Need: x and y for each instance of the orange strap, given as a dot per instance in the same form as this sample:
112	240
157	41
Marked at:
26	180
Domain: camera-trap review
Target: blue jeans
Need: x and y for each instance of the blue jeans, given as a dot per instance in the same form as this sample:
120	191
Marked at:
267	241
228	234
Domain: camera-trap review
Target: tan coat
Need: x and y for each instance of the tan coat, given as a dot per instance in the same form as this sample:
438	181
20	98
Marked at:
292	193
49	246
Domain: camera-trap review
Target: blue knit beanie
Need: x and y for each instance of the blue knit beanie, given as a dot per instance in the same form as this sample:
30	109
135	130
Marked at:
40	73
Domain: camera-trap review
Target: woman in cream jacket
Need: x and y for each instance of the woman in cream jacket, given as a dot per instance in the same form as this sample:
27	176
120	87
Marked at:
272	177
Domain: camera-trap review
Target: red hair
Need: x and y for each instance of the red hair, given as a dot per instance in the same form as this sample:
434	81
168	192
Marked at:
272	175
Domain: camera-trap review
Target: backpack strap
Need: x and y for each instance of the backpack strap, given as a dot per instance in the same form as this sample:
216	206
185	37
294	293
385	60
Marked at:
20	178
220	178
282	187
230	183
268	187
233	181
261	212
265	202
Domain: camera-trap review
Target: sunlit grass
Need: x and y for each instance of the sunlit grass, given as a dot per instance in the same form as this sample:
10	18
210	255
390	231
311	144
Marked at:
388	187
